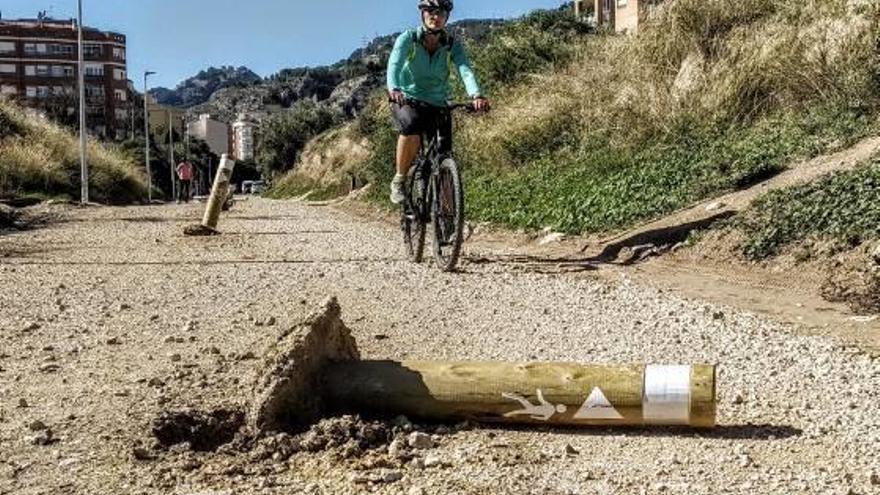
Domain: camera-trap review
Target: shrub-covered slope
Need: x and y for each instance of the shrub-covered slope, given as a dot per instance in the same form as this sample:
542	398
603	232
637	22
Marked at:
40	158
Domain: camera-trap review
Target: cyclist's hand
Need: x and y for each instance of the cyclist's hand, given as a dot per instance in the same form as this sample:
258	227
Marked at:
481	104
397	96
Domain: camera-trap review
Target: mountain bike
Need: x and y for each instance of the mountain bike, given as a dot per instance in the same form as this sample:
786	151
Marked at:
434	195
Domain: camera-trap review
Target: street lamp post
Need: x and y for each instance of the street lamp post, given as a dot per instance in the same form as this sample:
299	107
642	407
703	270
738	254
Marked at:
171	167
147	139
84	169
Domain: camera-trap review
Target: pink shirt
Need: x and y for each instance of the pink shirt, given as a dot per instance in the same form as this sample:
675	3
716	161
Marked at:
184	171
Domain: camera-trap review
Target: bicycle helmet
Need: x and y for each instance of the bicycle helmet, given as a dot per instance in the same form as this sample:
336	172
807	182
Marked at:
446	5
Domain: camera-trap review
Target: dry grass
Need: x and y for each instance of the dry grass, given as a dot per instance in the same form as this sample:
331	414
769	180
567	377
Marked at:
41	158
713	62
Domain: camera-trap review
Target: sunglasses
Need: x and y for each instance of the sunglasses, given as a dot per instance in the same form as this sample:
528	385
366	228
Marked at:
434	11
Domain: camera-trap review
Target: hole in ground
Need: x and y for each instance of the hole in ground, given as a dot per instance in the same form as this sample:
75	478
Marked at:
204	431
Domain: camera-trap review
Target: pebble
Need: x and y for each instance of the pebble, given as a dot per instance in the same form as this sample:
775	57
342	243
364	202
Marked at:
49	368
271	321
553	238
142	454
189	326
392	476
37	425
433	460
419	440
569	450
175	358
113	341
43	437
417	490
397	448
22	403
30	327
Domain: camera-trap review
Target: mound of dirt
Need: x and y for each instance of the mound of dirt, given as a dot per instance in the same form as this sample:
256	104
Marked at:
855	281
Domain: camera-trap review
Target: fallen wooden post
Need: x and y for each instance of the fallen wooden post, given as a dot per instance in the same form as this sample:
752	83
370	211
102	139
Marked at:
314	370
215	202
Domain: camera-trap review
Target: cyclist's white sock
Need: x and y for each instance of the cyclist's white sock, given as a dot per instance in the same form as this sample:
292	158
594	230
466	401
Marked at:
398	176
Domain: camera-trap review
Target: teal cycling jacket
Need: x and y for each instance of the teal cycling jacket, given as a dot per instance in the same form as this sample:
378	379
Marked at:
425	77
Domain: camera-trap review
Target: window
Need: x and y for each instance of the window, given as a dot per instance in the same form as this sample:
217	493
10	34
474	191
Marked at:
62	71
7	47
7	89
61	49
96	70
30	48
120	95
43	71
31	91
621	3
8	69
94	91
38	91
30	70
119	74
92	50
119	53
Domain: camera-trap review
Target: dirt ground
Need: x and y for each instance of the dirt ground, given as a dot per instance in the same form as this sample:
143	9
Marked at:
115	329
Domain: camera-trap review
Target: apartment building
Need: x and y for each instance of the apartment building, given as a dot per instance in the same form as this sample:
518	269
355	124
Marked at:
211	131
243	131
623	16
39	68
162	115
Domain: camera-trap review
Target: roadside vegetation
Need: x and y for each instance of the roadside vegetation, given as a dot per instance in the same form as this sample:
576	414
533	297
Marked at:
41	159
593	131
841	210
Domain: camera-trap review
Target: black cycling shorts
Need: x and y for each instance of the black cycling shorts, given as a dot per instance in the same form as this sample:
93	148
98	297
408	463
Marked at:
415	119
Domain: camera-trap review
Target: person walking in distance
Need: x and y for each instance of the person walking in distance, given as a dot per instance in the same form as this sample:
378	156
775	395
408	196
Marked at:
185	176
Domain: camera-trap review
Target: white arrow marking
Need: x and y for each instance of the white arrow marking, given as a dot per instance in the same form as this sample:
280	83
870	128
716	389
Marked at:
597	406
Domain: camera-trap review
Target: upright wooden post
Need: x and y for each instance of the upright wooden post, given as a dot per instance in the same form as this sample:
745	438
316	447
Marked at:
215	202
218	192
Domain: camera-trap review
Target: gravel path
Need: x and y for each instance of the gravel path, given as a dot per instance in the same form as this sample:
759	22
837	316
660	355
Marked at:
111	316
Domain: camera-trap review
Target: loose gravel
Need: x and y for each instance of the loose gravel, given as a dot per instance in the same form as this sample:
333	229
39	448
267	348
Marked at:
111	317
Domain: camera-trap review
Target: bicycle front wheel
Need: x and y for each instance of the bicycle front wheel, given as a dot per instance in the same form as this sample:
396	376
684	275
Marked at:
447	211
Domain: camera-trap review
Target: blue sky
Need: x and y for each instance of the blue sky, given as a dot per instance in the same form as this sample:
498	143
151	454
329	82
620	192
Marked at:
177	38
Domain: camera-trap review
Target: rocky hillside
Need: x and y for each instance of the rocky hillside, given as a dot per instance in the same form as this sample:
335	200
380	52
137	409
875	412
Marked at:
199	88
343	86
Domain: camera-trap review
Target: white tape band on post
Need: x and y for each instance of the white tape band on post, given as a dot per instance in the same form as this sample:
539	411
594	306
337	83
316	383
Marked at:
667	395
226	163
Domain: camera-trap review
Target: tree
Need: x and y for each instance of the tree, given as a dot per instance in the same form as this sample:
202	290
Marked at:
284	135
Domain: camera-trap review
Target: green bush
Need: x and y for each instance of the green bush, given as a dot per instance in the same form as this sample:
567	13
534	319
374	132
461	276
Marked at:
842	207
284	135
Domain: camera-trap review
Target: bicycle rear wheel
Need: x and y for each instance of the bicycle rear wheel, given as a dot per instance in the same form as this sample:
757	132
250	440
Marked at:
411	222
447	211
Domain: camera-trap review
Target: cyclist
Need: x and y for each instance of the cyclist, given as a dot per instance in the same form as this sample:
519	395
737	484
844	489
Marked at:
418	85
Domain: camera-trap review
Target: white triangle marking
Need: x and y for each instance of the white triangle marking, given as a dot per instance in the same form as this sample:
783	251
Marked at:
597	406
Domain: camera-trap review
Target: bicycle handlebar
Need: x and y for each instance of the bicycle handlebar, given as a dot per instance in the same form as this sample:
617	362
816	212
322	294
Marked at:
468	106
